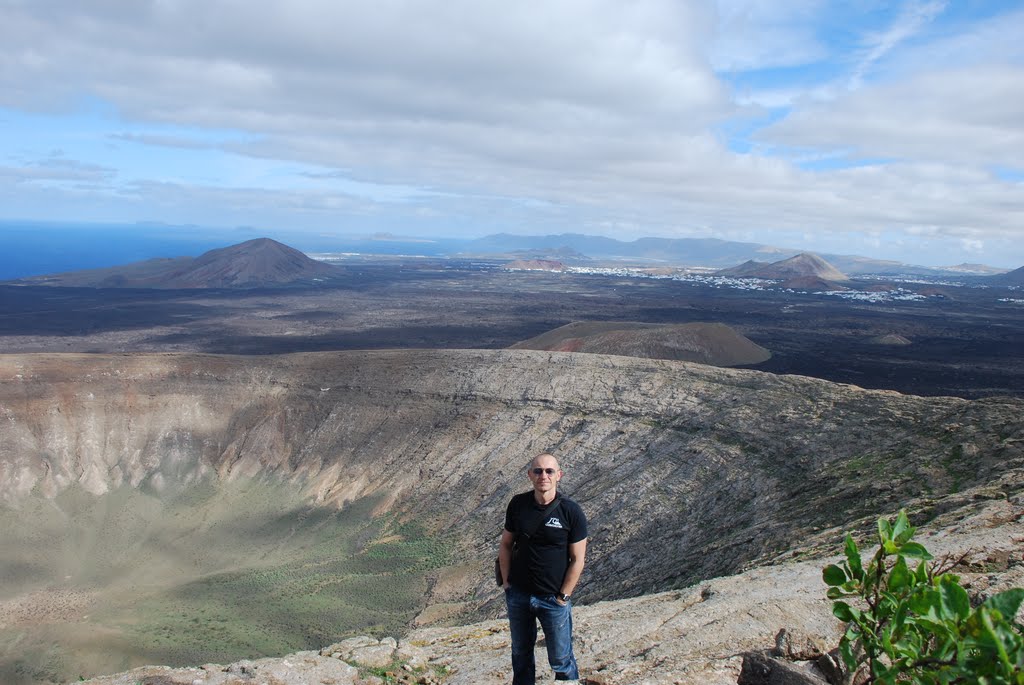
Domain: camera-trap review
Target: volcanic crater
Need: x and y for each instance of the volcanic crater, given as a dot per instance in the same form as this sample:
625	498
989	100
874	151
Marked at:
196	508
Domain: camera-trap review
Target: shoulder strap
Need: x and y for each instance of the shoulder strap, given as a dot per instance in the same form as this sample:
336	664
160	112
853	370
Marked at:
543	515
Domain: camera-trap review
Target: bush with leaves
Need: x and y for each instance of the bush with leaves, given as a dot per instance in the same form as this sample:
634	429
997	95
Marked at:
916	624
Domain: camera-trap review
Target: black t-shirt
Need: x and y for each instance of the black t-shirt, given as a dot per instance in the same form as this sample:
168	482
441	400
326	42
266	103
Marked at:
539	565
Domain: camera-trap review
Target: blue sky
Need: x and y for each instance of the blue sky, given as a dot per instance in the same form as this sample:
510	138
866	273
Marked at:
888	129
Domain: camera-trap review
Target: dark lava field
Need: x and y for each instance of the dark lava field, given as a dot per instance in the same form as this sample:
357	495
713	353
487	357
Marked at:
964	341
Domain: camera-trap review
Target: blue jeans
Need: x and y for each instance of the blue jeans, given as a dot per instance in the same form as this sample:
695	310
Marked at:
524	610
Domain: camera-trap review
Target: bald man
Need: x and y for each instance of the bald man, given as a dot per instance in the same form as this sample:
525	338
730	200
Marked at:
543	547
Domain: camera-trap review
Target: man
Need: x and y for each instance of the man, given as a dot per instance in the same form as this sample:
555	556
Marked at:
543	547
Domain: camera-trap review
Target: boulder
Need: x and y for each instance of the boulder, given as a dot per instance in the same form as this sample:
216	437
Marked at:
762	669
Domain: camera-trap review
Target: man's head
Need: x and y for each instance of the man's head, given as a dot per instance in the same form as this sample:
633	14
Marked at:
544	473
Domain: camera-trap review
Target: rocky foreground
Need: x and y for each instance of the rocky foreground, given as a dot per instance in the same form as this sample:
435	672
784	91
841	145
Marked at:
695	636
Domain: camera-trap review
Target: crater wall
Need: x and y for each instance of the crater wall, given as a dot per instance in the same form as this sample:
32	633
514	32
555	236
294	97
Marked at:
686	471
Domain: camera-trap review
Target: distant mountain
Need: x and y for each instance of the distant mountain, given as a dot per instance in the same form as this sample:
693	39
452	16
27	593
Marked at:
680	251
710	252
803	266
706	343
974	269
750	268
855	265
1015	277
255	263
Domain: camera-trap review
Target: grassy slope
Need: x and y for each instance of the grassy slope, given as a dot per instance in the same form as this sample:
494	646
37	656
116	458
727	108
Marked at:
197	576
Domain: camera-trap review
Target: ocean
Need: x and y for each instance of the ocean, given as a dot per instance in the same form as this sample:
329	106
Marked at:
29	248
33	248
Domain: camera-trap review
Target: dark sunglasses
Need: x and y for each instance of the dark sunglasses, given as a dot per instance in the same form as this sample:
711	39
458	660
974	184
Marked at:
538	471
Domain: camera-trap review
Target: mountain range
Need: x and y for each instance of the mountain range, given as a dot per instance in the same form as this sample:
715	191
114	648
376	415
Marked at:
710	252
568	247
264	262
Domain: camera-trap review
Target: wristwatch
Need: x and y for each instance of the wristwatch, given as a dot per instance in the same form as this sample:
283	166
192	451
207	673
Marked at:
564	597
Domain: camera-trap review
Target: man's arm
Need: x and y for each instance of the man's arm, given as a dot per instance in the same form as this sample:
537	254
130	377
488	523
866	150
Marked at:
577	556
505	555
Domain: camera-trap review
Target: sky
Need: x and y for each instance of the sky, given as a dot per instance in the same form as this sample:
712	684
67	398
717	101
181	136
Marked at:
888	129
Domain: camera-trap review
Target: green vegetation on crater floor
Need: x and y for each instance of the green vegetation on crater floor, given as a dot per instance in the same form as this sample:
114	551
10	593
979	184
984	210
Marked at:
205	574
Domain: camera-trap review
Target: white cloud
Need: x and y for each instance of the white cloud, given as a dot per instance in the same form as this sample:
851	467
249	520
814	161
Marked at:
56	170
164	140
972	245
965	116
489	62
530	115
989	41
912	18
385	85
766	34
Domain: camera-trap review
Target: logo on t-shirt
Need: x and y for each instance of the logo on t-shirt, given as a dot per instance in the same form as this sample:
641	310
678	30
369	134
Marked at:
553	522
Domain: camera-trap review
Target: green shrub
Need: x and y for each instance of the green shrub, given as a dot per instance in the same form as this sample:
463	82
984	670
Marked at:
399	672
915	624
